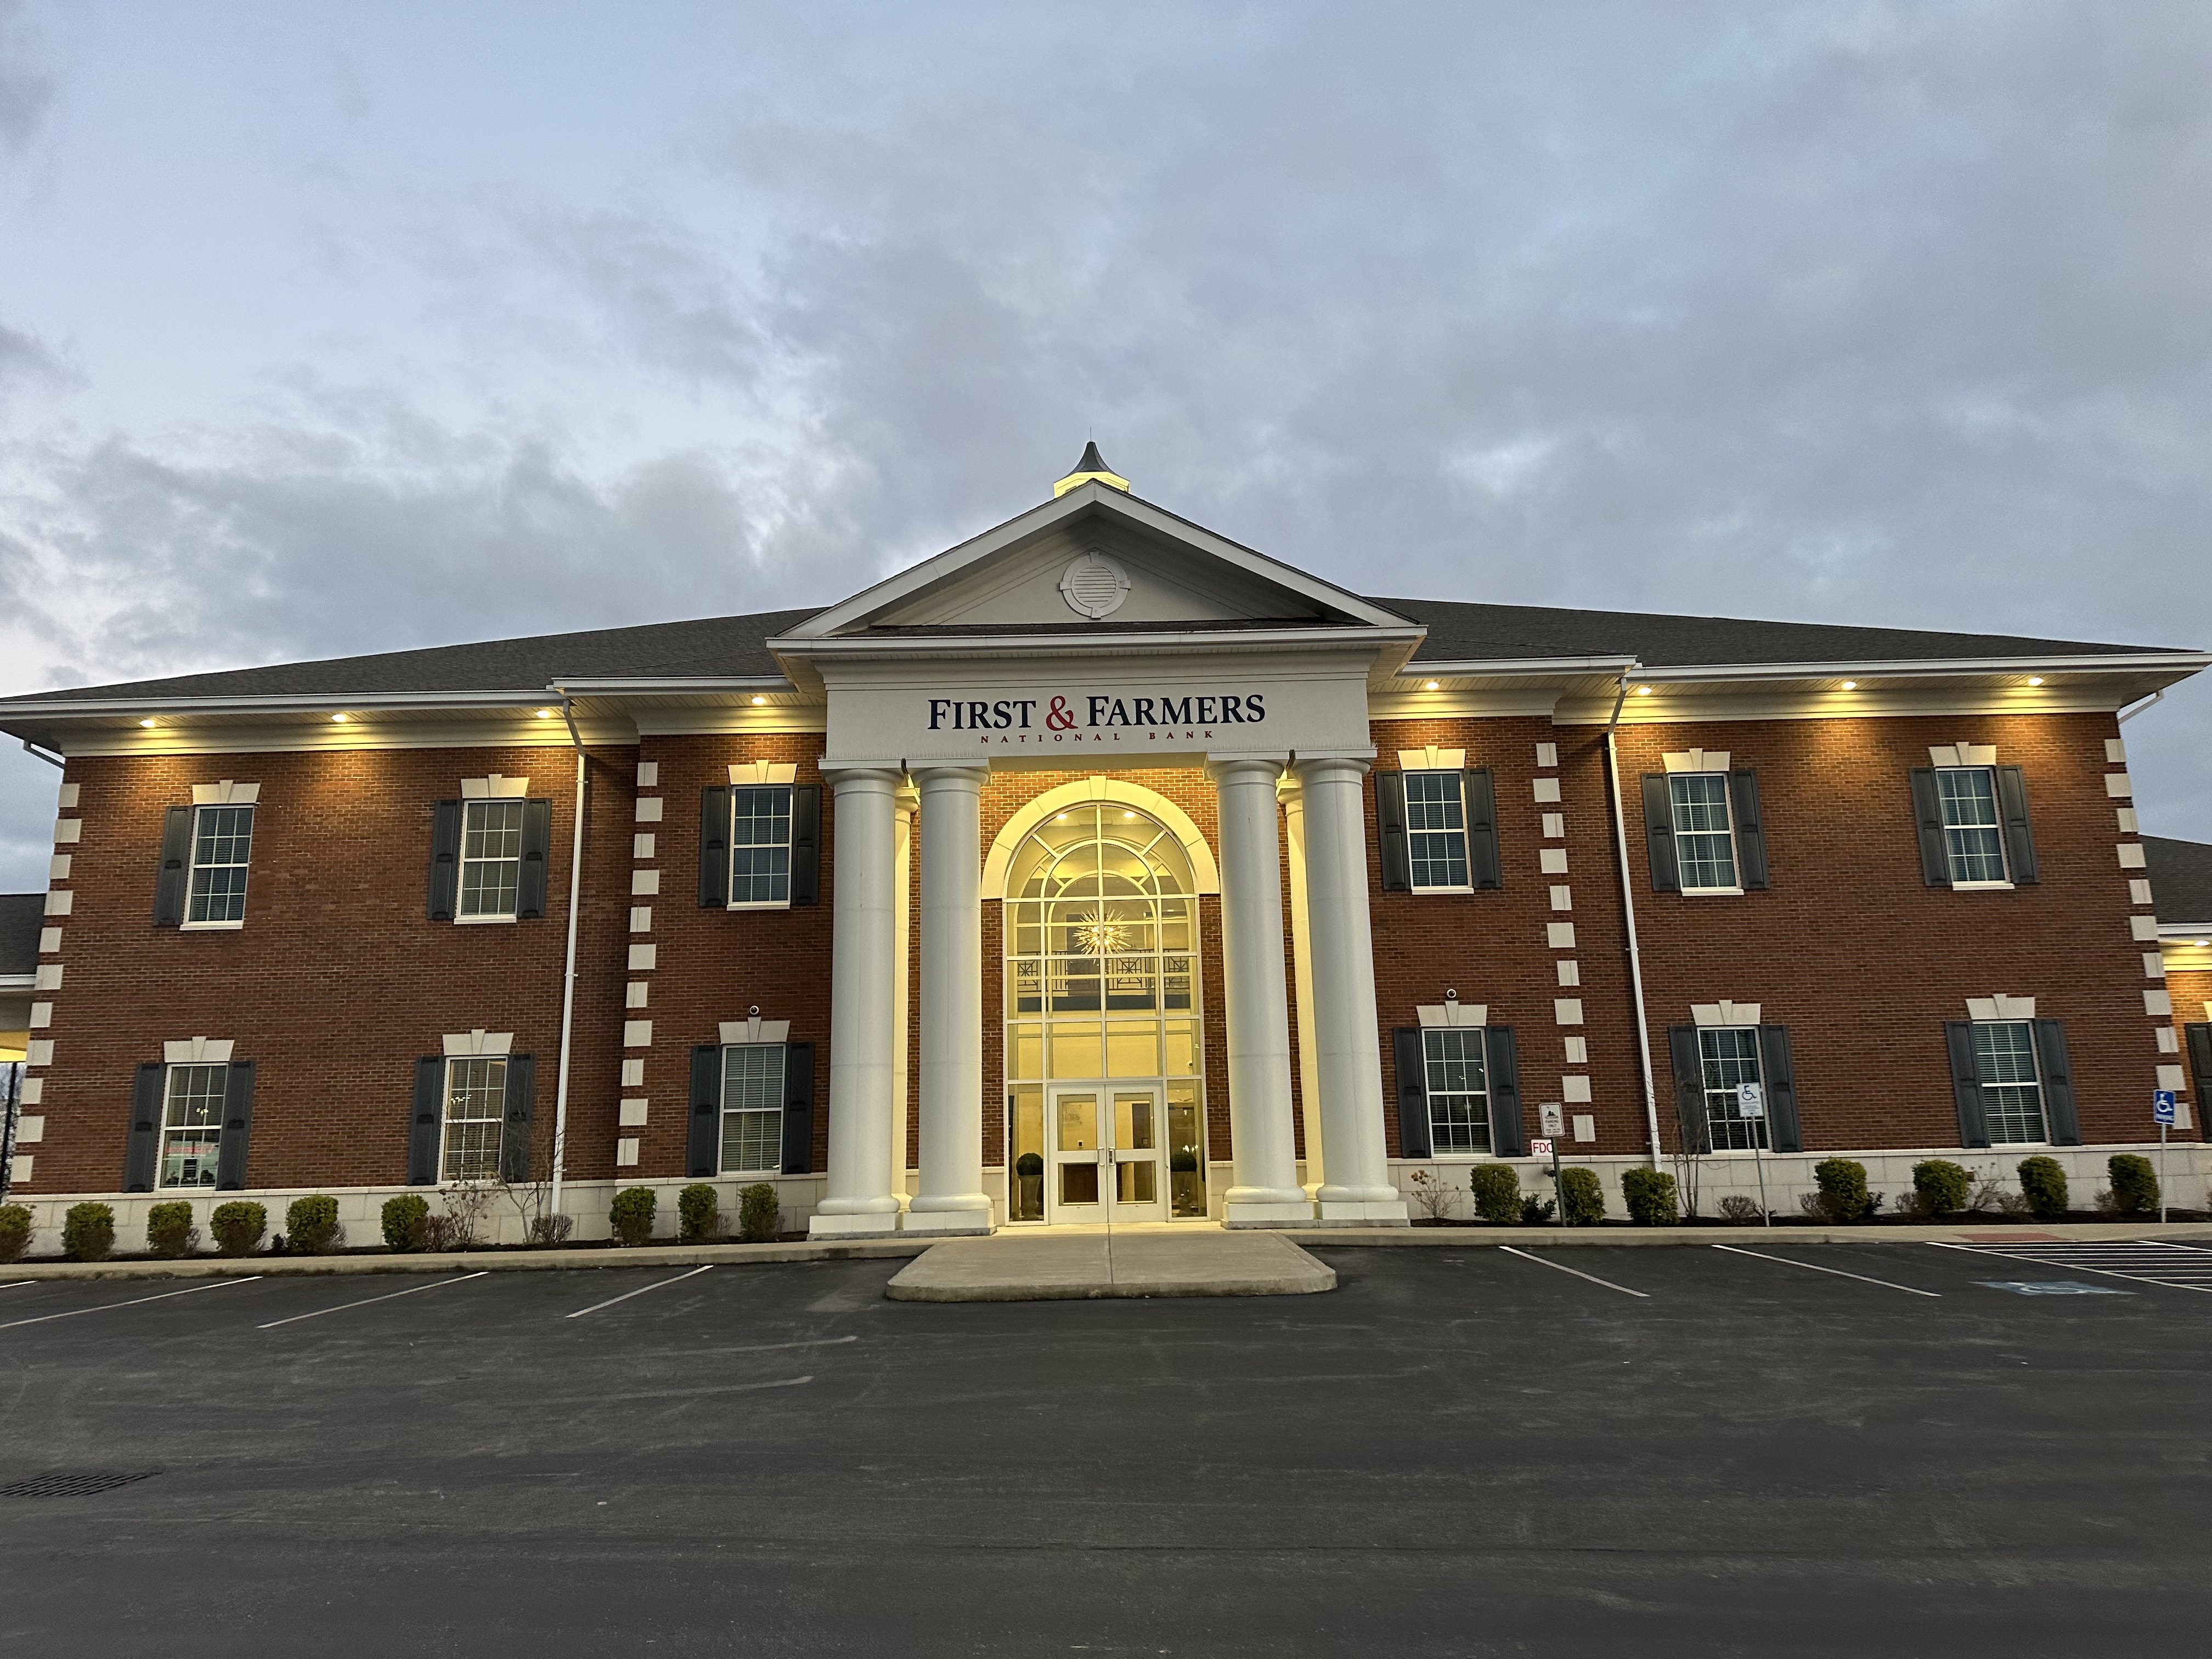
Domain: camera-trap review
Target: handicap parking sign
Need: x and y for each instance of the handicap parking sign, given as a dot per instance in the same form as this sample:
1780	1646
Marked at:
2162	1106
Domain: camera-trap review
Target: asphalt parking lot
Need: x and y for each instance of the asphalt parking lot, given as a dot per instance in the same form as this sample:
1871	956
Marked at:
1459	1451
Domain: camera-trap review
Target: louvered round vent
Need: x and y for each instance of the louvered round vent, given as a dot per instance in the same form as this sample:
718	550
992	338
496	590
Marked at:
1094	585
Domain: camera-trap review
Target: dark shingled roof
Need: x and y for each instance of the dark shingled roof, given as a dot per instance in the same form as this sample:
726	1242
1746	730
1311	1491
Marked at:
2181	878
22	916
732	646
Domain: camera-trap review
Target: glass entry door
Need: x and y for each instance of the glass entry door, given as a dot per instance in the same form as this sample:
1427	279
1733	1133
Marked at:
1104	1162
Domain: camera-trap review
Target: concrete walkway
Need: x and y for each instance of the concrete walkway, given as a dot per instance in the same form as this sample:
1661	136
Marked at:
1018	1267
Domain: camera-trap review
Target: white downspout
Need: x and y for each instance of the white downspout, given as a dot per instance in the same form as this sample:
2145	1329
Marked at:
1628	910
568	970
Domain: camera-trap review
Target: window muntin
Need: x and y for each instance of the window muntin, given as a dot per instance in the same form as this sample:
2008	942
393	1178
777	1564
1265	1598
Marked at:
1459	1090
752	1108
2012	1088
191	1125
491	859
1728	1056
222	843
1436	832
1973	838
476	1114
1704	838
760	844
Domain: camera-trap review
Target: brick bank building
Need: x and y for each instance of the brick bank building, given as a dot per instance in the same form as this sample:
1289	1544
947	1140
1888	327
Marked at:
1101	870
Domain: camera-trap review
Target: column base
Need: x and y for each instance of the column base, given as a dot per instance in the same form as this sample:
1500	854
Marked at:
875	1225
1267	1215
946	1224
1352	1212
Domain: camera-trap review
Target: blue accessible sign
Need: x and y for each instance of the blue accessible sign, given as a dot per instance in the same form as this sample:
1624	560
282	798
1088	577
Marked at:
2163	1109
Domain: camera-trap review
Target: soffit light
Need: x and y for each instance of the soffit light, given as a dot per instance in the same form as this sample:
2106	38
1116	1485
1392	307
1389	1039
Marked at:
337	719
544	714
1643	690
145	722
757	701
2035	679
1851	685
1429	685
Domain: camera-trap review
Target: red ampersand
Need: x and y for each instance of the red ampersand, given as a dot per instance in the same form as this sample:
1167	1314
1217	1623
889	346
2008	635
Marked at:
1061	717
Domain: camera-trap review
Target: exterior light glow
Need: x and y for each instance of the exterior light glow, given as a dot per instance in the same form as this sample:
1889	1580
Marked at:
757	701
544	714
1643	690
337	719
2035	679
1429	685
145	722
1851	685
1129	815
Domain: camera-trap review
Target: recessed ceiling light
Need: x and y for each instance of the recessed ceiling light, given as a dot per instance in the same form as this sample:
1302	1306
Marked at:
145	722
544	714
757	701
1429	685
2035	679
1129	815
1643	690
337	719
1851	685
1062	818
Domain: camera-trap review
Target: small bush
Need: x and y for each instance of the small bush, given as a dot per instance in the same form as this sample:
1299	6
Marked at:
550	1230
1433	1195
1941	1187
15	1231
311	1225
441	1235
1496	1189
169	1230
1842	1182
405	1219
2043	1183
2135	1183
1649	1194
1585	1197
1740	1211
88	1232
758	1212
698	1214
1537	1211
630	1215
237	1226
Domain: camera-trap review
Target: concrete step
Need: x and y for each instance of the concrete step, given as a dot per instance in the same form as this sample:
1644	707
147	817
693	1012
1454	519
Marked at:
1014	1266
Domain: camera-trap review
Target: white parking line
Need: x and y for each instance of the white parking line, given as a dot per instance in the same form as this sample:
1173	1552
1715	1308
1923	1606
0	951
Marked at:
640	1291
412	1289
2168	1266
1577	1272
18	1285
42	1318
1838	1271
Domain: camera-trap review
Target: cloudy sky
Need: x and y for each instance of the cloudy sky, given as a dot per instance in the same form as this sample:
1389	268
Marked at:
337	328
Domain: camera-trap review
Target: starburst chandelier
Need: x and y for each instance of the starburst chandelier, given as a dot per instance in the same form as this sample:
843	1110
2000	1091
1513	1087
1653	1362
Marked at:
1098	934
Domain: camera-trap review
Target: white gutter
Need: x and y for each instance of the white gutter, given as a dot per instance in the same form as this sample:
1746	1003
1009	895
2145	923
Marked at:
569	969
2184	661
1628	911
320	702
2126	714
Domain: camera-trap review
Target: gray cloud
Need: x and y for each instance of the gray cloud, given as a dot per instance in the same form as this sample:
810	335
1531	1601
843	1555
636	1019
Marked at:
27	86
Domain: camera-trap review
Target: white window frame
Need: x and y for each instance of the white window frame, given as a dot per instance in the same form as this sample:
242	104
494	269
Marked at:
1459	831
1434	1040
2035	1082
497	1064
1675	824
210	1132
1996	825
472	811
783	903
781	1070
193	866
1721	1099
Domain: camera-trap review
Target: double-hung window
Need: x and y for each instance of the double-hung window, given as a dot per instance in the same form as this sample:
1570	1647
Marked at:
760	845
222	843
1973	835
1458	1090
1728	1056
491	859
752	1108
1436	832
1704	838
2011	1085
475	1116
191	1124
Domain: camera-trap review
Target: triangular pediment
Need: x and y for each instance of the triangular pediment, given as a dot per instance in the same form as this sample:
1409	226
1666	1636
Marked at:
1096	557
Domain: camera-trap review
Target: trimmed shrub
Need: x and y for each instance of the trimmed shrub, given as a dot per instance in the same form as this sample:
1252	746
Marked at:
1842	1182
1537	1211
2135	1183
1496	1190
311	1225
237	1226
15	1231
406	1221
631	1214
551	1230
169	1230
88	1232
2043	1183
1649	1196
1740	1211
758	1212
698	1214
1941	1186
1585	1197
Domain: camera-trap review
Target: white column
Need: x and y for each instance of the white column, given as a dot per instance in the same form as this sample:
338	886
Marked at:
1266	1193
952	1199
903	993
863	1005
1348	1047
1302	997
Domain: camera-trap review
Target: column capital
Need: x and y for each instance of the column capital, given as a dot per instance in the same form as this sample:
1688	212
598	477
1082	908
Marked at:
1245	768
1309	770
966	775
864	777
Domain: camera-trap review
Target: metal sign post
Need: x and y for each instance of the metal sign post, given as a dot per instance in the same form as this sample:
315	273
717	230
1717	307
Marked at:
2163	1104
1551	1149
1551	1116
1751	1102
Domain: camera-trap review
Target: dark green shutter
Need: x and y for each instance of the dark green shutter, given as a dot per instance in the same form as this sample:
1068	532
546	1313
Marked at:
704	1149
425	1120
1483	868
237	1126
2200	1063
169	886
806	843
1413	1089
1501	1070
1689	1063
1397	862
715	848
1928	813
1750	832
142	1149
536	843
2059	1118
1659	834
799	1109
2012	813
521	1107
1967	1084
1783	1133
444	859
